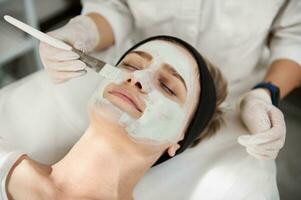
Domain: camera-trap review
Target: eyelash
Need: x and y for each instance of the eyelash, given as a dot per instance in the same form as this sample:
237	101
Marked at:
129	67
167	89
164	87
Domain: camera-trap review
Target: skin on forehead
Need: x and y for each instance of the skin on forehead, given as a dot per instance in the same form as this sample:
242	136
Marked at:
173	55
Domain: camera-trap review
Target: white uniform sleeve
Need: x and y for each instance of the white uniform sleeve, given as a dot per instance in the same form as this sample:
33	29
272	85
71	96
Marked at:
8	156
285	41
117	14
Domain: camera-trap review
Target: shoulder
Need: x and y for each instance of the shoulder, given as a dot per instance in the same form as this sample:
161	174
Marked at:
24	178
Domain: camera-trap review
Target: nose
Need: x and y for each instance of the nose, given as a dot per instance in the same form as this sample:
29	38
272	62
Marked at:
134	82
140	80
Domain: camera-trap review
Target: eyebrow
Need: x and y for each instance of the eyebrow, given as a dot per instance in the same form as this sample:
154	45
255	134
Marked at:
169	68
143	54
174	73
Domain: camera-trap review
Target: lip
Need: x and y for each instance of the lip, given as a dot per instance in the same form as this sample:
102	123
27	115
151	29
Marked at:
126	96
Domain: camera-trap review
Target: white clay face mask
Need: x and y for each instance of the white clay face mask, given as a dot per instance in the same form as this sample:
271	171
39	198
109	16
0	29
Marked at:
163	119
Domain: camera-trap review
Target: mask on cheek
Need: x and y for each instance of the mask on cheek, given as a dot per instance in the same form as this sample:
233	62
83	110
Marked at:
162	120
100	105
160	123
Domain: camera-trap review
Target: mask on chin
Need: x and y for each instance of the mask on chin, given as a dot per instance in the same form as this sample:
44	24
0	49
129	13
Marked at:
162	120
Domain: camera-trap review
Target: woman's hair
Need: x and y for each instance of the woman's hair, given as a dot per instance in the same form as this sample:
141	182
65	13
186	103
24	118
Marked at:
221	93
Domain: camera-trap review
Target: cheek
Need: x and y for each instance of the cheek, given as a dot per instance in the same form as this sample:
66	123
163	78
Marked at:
107	89
192	96
99	96
180	96
191	106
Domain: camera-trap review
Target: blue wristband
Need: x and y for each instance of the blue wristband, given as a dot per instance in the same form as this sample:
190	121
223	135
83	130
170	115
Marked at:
274	90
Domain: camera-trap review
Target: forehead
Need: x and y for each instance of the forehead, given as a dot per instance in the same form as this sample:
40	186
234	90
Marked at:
172	54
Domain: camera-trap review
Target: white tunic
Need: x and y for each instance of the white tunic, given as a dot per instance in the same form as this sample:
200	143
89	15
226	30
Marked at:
45	120
232	34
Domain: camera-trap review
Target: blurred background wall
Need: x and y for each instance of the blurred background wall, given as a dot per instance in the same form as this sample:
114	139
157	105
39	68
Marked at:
18	52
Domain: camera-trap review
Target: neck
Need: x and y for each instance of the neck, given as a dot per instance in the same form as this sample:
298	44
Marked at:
98	168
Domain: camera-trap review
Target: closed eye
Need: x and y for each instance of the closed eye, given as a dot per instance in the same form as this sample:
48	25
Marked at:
129	66
167	89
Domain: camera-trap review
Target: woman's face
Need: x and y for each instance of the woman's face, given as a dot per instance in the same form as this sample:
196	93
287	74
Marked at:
157	92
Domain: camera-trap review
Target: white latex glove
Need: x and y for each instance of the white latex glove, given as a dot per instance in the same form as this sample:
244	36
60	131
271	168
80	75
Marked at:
61	65
265	122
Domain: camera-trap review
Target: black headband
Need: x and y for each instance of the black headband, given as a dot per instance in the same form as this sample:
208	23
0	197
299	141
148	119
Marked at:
207	99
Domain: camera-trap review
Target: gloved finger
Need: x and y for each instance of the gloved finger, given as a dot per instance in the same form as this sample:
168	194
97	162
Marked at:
276	132
256	118
46	49
243	140
273	146
63	56
260	150
67	66
277	119
60	77
255	155
79	42
264	138
63	35
265	155
80	45
51	53
262	155
248	140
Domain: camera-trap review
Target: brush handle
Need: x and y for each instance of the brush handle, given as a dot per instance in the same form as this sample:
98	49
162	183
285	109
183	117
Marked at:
38	34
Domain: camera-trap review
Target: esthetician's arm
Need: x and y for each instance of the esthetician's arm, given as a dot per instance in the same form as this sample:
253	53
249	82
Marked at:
116	13
264	120
286	74
285	46
104	29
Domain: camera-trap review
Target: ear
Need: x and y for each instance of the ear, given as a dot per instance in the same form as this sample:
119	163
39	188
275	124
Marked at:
172	149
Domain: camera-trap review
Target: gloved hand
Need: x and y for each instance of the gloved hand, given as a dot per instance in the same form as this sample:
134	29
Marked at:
61	65
265	122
